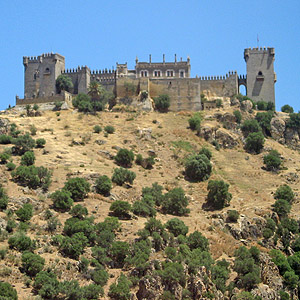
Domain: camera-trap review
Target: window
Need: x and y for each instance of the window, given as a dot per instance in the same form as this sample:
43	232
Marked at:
144	73
157	73
170	73
181	74
260	73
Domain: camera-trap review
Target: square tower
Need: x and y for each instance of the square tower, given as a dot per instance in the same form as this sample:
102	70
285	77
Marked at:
261	77
41	73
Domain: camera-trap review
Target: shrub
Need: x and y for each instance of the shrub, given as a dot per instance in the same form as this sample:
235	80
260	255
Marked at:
282	207
261	105
7	292
197	241
206	152
285	192
155	192
62	200
291	279
250	126
162	103
3	202
272	160
255	142
219	103
4	157
280	261
154	225
73	246
97	129
78	187
195	121
100	276
294	121
78	211
32	130
32	263
198	167
267	233
118	252
46	284
175	202
32	176
145	207
63	83
5	139
173	273
40	143
121	175
109	129
25	213
233	216
287	109
146	163
20	242
124	158
238	116
177	227
121	289
28	158
264	121
23	144
218	196
83	103
10	166
120	209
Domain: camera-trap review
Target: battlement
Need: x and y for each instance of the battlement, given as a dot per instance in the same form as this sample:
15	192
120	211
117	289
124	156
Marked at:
264	50
40	58
104	71
222	77
77	70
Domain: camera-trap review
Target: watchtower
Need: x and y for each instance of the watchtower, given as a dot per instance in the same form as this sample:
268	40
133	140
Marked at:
261	77
41	73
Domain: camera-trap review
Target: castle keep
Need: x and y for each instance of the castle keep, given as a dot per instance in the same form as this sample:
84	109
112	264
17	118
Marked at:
172	78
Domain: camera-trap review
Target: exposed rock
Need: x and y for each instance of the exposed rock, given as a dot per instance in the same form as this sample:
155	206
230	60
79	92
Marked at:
235	102
291	137
226	139
278	129
3	224
229	121
105	154
4	126
145	133
207	132
150	287
100	142
145	104
265	293
151	152
246	105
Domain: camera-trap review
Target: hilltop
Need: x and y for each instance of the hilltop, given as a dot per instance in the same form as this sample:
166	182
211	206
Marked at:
73	149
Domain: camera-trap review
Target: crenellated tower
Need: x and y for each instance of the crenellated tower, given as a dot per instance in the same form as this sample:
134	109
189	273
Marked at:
41	73
261	77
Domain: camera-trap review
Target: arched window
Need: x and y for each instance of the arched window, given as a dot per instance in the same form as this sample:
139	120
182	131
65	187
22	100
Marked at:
181	73
144	73
260	73
157	73
170	73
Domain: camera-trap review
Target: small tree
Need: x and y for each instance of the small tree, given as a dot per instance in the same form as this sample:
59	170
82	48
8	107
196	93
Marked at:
63	83
197	241
109	129
28	158
272	160
120	209
7	292
23	144
78	187
238	116
121	289
287	109
118	253
20	242
282	207
195	121
97	129
206	152
218	196
103	185
255	142
124	158
121	175
198	167
175	202
250	126
162	103
40	143
177	227
32	263
25	213
285	192
78	211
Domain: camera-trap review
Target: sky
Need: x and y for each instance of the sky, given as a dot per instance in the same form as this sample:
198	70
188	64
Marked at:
96	33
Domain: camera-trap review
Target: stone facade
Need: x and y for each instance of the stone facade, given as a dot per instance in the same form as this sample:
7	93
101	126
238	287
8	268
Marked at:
172	78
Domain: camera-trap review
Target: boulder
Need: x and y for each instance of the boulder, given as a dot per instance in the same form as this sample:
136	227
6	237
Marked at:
277	129
235	102
226	139
246	105
150	288
291	137
4	126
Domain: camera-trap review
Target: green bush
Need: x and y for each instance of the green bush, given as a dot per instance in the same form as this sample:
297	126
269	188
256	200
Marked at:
146	163
121	289
124	158
120	209
280	261
272	160
3	203
291	279
267	233
63	83
99	276
155	192
255	142
97	129
218	196
118	253
10	166
32	263
109	129
294	121
172	273
154	225
285	192
195	122
78	187
4	157
121	175
5	139
233	215
250	126
197	241
103	185
7	292
198	167
78	211
32	176
83	103
264	121
23	144
20	242
46	284
145	207
287	109
206	152
177	227
219	103
40	143
261	105
162	103
28	158
282	207
62	200
220	274
25	213
73	246
238	116
175	202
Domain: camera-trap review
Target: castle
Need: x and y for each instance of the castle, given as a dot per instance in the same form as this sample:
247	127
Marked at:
172	78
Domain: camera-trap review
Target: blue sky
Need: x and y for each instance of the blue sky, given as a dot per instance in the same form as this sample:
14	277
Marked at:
100	33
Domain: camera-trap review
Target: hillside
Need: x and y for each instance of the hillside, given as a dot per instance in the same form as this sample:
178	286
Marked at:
73	149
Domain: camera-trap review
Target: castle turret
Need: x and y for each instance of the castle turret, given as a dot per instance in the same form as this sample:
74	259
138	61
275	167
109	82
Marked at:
261	77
